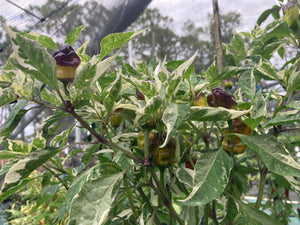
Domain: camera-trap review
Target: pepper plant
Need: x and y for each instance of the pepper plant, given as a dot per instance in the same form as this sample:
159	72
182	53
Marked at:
168	146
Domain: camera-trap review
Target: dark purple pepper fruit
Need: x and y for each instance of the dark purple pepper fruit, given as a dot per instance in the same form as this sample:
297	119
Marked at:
221	98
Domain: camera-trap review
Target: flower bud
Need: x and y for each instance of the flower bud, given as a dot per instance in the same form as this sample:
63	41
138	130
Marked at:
291	14
221	98
66	62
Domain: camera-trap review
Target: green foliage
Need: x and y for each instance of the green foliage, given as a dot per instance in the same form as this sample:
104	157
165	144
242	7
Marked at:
111	176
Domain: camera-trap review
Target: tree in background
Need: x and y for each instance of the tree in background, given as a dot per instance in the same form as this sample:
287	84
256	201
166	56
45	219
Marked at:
176	46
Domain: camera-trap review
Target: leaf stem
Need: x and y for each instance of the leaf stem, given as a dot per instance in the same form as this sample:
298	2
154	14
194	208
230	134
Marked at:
161	193
135	214
263	175
146	144
142	194
56	176
102	139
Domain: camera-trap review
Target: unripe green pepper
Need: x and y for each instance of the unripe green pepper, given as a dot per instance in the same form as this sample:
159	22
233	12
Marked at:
66	62
115	118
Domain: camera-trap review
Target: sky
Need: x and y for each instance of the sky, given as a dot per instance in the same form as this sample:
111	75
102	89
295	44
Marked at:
179	10
197	10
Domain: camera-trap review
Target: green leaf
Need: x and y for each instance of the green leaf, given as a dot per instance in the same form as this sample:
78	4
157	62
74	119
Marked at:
99	194
44	40
13	119
81	52
22	169
30	57
90	72
14	189
50	97
185	176
266	71
284	118
192	215
198	113
252	216
259	106
273	154
173	115
178	75
112	93
89	153
275	9
116	40
7	96
73	36
231	211
39	142
211	176
18	146
247	84
77	185
293	83
7	154
62	138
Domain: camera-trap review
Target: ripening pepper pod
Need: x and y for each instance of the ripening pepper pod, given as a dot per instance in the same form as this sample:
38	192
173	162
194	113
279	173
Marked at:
163	157
200	100
291	14
116	119
235	142
221	98
66	62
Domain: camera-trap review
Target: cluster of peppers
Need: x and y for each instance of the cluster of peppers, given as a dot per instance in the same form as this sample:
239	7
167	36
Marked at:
67	61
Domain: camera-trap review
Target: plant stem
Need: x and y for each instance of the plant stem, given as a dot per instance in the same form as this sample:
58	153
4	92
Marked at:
146	144
142	194
206	215
56	176
230	125
102	139
135	214
161	193
263	175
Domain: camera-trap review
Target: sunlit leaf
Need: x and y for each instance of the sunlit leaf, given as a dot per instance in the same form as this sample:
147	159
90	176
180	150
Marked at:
247	84
173	115
30	57
99	193
273	154
290	117
116	40
18	173
211	176
13	119
252	216
73	36
198	113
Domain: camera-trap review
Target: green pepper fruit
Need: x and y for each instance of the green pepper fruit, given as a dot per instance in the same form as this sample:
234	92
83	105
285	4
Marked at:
66	62
221	98
116	119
